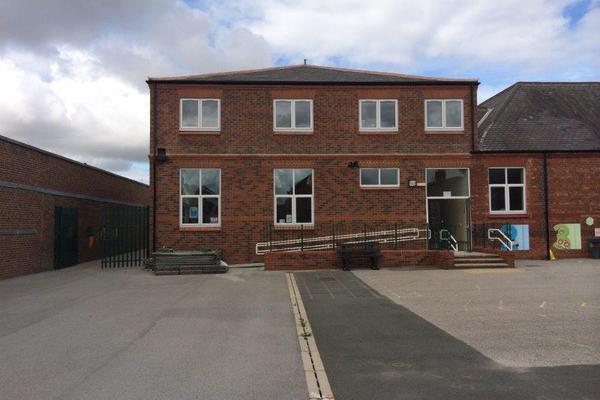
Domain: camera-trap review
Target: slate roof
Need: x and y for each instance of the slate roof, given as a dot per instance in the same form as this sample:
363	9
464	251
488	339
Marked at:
309	74
541	116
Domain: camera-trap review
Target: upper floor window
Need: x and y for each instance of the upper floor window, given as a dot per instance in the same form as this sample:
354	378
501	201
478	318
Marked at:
293	115
444	115
200	115
294	196
379	177
378	115
200	197
507	190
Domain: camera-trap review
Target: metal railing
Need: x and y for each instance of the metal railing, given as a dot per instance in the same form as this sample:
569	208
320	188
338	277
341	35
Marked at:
501	237
447	237
303	238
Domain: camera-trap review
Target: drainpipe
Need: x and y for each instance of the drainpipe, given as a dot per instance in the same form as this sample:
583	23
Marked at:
546	216
473	123
153	161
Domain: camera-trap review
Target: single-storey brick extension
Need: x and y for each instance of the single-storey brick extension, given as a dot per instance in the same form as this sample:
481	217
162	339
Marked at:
304	157
50	208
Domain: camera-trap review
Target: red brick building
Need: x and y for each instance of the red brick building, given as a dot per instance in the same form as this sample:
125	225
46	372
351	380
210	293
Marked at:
38	188
247	157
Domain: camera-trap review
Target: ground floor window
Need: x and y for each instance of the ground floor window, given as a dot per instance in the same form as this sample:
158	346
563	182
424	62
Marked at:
294	196
507	190
379	177
200	197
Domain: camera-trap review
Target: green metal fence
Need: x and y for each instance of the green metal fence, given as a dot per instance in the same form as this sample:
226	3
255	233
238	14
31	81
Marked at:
124	237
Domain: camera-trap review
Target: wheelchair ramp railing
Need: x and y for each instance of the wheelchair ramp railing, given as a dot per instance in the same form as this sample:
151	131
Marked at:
302	240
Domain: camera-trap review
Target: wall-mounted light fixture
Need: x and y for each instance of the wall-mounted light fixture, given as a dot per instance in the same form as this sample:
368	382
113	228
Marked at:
412	182
353	165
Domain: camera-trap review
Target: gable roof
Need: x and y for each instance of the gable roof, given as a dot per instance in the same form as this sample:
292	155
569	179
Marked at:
542	116
308	74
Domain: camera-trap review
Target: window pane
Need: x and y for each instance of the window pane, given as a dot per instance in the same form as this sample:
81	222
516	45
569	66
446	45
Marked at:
496	175
189	210
515	198
303	181
283	114
302	114
283	181
515	175
434	114
368	114
388	114
189	113
453	114
369	176
210	114
190	181
210	181
303	210
451	182
284	210
210	210
389	176
497	199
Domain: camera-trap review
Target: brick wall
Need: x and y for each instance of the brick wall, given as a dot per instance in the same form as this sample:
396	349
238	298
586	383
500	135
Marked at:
247	120
33	210
307	260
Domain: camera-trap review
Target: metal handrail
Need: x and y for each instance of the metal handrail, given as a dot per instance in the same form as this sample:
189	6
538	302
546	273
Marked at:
504	240
450	239
329	242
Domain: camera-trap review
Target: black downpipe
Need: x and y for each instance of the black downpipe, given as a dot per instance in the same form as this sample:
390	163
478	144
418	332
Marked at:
473	126
153	161
546	216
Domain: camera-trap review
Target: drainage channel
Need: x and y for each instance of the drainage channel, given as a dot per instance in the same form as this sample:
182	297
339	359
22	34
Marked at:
316	378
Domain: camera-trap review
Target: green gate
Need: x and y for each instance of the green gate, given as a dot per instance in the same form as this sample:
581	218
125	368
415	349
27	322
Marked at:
65	236
124	237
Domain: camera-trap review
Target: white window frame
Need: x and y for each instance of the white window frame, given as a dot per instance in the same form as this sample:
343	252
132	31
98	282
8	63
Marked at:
292	128
199	126
378	185
506	187
468	196
293	196
199	196
443	127
378	127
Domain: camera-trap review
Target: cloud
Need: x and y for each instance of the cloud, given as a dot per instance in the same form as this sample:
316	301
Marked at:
73	75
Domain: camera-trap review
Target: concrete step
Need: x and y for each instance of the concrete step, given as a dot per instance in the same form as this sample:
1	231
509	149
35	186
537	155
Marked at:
479	259
481	265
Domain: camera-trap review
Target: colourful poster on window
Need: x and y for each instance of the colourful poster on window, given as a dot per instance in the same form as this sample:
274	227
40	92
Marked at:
568	236
519	234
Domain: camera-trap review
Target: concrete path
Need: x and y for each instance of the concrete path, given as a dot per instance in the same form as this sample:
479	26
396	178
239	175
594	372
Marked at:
83	333
373	348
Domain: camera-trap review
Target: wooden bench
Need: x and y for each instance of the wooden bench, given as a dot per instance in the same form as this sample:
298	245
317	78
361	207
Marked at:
368	251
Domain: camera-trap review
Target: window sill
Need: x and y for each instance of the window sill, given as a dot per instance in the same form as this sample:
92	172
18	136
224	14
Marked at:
379	188
508	215
378	132
292	132
199	228
199	132
293	227
445	131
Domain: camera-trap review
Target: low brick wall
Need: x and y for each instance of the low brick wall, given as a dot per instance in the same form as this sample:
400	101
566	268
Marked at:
315	260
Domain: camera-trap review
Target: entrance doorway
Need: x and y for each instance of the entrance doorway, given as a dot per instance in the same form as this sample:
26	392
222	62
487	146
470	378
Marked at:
448	208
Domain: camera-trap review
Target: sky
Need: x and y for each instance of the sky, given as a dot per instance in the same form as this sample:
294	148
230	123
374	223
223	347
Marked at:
72	73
